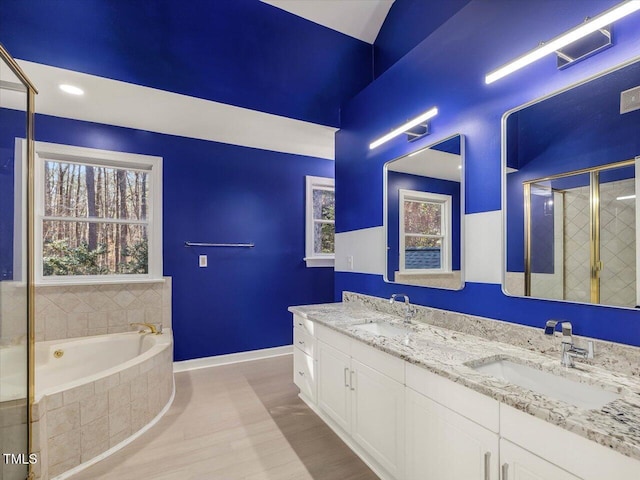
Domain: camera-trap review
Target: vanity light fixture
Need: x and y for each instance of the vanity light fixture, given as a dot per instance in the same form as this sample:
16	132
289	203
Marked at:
595	24
626	197
71	89
408	128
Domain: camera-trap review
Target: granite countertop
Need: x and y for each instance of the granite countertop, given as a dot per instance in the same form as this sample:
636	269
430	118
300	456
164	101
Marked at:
451	354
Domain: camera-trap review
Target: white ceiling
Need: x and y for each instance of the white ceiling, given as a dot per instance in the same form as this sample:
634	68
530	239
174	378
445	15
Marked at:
124	104
429	163
360	19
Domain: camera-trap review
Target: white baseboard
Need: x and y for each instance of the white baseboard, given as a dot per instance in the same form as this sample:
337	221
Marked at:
218	360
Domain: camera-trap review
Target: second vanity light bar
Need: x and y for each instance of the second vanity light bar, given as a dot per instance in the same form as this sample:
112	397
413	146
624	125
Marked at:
590	26
403	128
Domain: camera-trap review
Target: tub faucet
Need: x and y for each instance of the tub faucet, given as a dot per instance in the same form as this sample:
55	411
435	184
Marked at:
407	309
152	328
569	350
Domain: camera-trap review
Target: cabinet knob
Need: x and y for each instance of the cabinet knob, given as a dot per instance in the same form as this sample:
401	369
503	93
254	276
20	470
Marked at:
301	374
300	342
346	382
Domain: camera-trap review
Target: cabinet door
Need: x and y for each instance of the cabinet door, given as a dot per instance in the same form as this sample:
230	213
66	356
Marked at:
378	417
519	464
443	445
334	393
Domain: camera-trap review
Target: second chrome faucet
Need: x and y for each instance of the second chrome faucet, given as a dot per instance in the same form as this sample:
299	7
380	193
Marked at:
569	351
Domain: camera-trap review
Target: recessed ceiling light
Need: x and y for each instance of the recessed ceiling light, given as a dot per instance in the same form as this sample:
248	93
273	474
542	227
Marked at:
71	89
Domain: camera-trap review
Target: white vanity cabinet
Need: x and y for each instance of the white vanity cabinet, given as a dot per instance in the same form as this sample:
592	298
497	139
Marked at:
304	360
408	423
442	445
362	391
531	448
334	385
519	464
451	431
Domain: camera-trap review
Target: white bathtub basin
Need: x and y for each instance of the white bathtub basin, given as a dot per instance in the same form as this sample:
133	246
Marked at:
560	388
381	329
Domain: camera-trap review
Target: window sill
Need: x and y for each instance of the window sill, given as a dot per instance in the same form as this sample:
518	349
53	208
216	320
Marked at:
425	273
319	262
87	282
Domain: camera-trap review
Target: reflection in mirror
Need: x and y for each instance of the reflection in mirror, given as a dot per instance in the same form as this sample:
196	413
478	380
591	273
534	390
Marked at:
571	194
423	216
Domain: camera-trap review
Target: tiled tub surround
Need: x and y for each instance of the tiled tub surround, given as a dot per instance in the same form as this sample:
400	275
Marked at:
82	419
448	351
69	311
13	434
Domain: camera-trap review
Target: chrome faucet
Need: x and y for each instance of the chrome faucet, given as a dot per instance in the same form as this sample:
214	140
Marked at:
407	309
569	351
152	328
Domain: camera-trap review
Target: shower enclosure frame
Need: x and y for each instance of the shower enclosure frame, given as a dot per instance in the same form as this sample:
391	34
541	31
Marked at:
31	92
594	222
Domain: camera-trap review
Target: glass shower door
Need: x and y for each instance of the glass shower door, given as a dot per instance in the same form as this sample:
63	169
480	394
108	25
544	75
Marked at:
617	269
14	279
580	236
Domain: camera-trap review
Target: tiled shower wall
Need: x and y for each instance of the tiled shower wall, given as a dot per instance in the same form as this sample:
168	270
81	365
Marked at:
617	244
68	311
13	308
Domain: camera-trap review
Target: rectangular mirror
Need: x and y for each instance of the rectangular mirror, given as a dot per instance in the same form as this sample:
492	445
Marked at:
570	193
423	216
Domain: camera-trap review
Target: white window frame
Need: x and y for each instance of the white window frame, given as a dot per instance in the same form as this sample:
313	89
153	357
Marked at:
311	258
445	253
91	156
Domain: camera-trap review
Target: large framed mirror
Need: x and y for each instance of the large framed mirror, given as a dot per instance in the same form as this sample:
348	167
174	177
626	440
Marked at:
570	180
423	201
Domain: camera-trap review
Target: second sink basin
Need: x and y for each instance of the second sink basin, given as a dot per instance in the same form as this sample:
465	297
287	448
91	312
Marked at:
382	329
560	388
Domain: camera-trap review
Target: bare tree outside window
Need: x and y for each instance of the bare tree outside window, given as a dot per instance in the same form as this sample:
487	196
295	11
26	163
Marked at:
95	220
324	220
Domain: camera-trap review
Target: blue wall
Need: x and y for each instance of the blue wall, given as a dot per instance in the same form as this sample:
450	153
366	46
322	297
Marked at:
215	192
447	69
13	124
396	181
407	24
241	52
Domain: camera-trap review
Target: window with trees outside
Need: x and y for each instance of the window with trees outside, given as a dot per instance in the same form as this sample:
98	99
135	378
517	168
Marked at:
425	232
320	222
98	215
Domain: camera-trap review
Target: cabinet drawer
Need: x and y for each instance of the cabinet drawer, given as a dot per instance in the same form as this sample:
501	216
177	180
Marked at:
304	341
391	366
337	340
304	324
475	406
304	374
584	458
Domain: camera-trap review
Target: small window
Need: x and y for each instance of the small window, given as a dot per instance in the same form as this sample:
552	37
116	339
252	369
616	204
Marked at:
98	215
320	228
425	232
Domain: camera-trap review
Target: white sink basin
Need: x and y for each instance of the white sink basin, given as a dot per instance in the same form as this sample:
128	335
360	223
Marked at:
382	329
567	390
